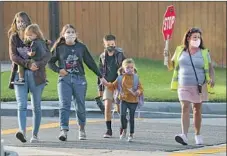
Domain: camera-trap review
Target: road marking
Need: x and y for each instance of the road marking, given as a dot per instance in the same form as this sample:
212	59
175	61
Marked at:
45	126
49	125
200	152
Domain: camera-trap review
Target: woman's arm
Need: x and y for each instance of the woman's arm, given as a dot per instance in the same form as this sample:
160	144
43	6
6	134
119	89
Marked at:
14	56
89	61
212	74
170	64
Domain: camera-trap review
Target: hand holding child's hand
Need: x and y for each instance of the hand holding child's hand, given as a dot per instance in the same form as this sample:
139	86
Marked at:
104	82
31	53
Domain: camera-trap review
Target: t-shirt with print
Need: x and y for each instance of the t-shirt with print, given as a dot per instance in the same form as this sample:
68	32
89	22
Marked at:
71	58
22	49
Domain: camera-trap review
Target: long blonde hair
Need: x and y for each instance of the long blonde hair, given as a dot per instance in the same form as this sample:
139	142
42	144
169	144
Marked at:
61	39
24	16
34	28
125	63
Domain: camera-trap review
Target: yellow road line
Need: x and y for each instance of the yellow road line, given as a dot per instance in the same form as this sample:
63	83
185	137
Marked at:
44	126
49	125
200	152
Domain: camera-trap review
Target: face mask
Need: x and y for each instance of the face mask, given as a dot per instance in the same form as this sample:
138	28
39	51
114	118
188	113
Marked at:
195	43
21	26
70	38
128	71
31	38
110	48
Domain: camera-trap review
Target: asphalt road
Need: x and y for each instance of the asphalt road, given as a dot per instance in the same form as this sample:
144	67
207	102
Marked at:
151	136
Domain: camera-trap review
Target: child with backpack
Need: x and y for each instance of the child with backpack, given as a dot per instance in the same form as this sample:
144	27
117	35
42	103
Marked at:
129	90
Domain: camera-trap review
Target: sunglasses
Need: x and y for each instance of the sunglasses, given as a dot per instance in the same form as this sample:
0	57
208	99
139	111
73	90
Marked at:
194	30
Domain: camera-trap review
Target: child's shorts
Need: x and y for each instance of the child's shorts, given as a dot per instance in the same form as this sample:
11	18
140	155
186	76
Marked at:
107	94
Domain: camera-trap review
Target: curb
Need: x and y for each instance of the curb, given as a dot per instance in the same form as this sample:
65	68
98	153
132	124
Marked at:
151	109
11	153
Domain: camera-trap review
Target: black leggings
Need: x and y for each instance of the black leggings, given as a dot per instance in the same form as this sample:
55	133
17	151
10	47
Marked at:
123	111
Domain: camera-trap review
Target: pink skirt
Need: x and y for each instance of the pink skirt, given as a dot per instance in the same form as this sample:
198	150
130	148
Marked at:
191	94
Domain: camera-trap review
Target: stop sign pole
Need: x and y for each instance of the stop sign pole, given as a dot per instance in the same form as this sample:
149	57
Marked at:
167	29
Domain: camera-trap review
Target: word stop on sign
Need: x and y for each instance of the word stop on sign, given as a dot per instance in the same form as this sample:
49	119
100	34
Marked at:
168	22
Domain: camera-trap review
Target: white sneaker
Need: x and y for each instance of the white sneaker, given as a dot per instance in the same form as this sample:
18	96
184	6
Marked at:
82	135
34	139
130	138
182	139
63	135
198	140
123	135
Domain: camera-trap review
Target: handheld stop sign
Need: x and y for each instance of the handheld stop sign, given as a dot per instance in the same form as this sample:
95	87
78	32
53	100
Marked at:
167	29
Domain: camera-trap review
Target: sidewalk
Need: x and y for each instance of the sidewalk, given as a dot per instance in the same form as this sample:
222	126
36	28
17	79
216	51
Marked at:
5	66
29	151
153	109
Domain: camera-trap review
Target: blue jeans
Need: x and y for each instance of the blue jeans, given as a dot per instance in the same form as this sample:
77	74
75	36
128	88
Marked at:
21	92
72	87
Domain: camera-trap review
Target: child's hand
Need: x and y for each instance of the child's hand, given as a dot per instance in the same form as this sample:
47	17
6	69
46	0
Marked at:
31	53
48	42
137	93
63	72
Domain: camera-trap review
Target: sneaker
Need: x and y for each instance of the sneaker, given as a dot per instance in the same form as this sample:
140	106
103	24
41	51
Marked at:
20	136
82	135
198	140
19	82
34	139
123	135
182	139
130	138
63	135
108	134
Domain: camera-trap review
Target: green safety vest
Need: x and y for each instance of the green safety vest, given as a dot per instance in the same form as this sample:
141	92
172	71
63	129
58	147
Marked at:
178	52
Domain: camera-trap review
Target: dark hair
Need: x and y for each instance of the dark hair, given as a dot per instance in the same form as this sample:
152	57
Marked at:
188	34
61	39
109	37
24	16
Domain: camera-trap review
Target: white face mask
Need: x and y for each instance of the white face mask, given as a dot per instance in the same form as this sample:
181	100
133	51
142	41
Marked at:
70	38
195	43
21	26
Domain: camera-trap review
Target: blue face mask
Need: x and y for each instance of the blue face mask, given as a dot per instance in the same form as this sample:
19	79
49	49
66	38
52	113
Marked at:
128	71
